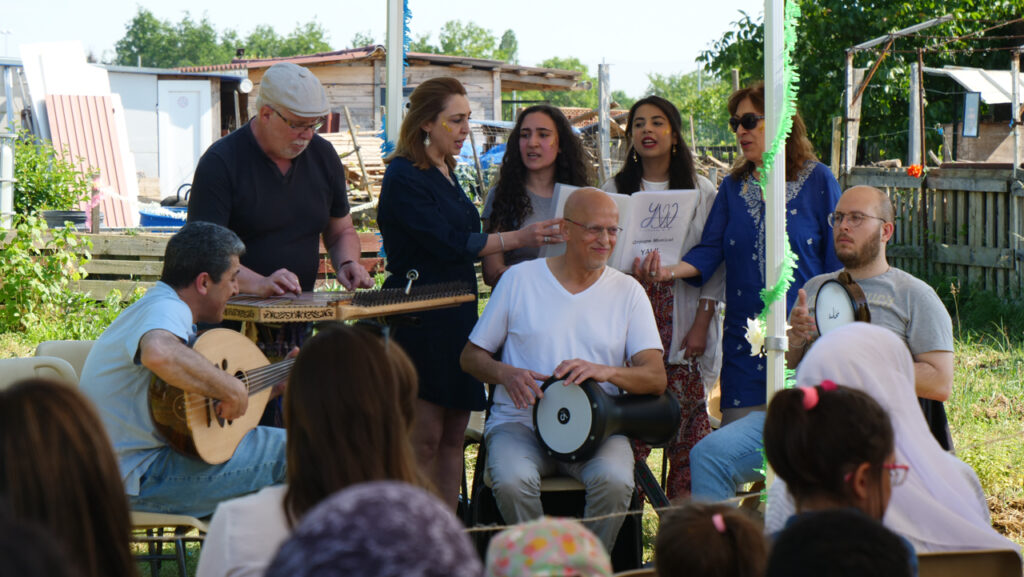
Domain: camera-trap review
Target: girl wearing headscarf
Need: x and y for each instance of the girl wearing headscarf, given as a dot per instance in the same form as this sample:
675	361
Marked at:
941	505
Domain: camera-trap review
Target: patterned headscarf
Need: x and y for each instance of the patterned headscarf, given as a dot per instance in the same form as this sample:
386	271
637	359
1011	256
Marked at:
379	529
547	547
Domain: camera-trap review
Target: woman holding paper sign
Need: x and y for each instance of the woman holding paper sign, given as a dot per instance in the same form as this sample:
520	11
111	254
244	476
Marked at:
658	159
735	234
430	226
542	151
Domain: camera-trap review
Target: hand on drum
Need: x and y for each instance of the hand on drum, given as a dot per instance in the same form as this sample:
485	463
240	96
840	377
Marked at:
576	371
542	233
802	325
522	386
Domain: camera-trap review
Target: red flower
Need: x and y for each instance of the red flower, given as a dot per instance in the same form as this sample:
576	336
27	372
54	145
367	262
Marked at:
915	170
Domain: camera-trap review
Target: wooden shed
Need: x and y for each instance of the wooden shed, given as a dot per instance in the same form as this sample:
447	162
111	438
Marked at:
356	78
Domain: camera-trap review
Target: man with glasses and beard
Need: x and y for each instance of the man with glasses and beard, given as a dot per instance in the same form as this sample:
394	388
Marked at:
280	187
862	224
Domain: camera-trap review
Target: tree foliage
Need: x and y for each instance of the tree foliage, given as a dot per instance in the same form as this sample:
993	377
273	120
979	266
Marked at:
364	38
829	27
162	44
575	98
458	38
701	101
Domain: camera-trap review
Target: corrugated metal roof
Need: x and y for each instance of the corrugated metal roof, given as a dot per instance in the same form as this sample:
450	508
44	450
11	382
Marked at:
84	127
995	86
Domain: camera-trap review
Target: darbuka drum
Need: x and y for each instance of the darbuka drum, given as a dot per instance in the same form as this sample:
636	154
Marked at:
839	302
572	421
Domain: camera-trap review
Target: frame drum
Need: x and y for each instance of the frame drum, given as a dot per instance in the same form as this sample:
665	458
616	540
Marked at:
839	302
572	421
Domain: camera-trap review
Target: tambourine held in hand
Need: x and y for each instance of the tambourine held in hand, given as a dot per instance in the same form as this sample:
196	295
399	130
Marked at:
572	421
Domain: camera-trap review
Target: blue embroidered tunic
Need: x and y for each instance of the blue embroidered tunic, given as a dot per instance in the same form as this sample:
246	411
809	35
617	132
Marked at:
735	233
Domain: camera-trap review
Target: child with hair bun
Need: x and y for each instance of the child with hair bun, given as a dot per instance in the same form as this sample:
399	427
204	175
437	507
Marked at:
709	540
833	445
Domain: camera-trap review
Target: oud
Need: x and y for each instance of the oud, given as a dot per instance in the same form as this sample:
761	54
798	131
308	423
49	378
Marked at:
189	421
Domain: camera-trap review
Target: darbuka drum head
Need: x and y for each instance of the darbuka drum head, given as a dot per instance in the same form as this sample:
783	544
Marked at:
563	417
833	307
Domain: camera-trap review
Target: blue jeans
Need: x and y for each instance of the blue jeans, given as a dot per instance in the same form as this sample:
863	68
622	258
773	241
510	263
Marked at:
728	458
181	485
516	462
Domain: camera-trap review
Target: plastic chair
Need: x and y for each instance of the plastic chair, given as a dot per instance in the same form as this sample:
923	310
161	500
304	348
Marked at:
74	352
17	369
987	562
474	436
150	528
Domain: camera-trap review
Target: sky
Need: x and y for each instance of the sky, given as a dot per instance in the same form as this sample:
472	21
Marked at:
635	38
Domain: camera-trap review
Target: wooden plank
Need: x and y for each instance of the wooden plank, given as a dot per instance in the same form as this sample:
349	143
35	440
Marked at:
968	183
883	180
99	289
152	268
975	231
129	245
966	256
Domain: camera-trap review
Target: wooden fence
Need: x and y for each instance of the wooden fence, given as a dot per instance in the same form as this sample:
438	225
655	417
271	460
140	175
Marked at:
126	261
961	223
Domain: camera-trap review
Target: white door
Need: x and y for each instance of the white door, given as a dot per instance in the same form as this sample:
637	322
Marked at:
186	130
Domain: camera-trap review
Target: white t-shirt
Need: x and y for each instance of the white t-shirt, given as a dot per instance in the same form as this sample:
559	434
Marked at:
245	534
538	324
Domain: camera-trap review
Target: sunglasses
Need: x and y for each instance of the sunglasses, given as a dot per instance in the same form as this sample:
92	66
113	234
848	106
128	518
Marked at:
748	121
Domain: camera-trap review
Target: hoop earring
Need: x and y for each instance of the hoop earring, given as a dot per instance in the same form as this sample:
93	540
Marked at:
426	140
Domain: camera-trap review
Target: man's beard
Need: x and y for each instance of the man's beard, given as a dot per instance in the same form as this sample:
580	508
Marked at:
861	257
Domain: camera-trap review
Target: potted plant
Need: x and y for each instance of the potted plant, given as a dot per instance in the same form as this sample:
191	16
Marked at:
46	184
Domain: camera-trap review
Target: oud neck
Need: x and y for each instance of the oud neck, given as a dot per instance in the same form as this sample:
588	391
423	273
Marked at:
259	379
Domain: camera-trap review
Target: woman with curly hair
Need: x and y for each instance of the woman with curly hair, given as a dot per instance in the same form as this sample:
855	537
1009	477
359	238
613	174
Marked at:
542	150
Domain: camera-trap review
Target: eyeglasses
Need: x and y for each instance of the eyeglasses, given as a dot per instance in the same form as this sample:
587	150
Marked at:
300	127
854	219
748	121
597	230
897	473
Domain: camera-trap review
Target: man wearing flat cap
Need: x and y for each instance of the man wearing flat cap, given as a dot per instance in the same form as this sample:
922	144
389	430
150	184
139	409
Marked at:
280	187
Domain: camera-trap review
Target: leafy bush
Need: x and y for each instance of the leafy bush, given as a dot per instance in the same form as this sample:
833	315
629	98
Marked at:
44	180
77	316
36	269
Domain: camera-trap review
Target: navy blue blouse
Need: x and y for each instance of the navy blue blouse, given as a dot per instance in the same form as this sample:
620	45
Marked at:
427	223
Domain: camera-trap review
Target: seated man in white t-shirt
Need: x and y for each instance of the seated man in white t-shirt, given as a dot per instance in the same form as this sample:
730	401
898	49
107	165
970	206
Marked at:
575	318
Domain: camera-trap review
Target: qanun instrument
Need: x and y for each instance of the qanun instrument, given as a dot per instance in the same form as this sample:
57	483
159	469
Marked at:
188	422
347	305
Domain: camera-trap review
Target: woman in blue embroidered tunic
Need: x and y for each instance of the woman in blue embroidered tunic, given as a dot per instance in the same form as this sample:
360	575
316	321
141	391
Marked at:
735	233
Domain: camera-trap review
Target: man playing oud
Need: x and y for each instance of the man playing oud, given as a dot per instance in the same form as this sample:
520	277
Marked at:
151	339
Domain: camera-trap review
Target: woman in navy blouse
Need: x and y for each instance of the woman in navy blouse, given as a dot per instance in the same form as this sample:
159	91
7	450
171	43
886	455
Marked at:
735	233
429	225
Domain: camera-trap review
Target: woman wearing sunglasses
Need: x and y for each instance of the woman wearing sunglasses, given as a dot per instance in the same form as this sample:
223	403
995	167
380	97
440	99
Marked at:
658	159
735	234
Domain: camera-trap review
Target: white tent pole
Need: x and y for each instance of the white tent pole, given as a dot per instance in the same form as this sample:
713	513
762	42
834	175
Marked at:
394	57
775	196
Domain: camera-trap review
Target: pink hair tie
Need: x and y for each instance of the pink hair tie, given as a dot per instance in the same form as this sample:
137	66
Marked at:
718	522
828	385
810	397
